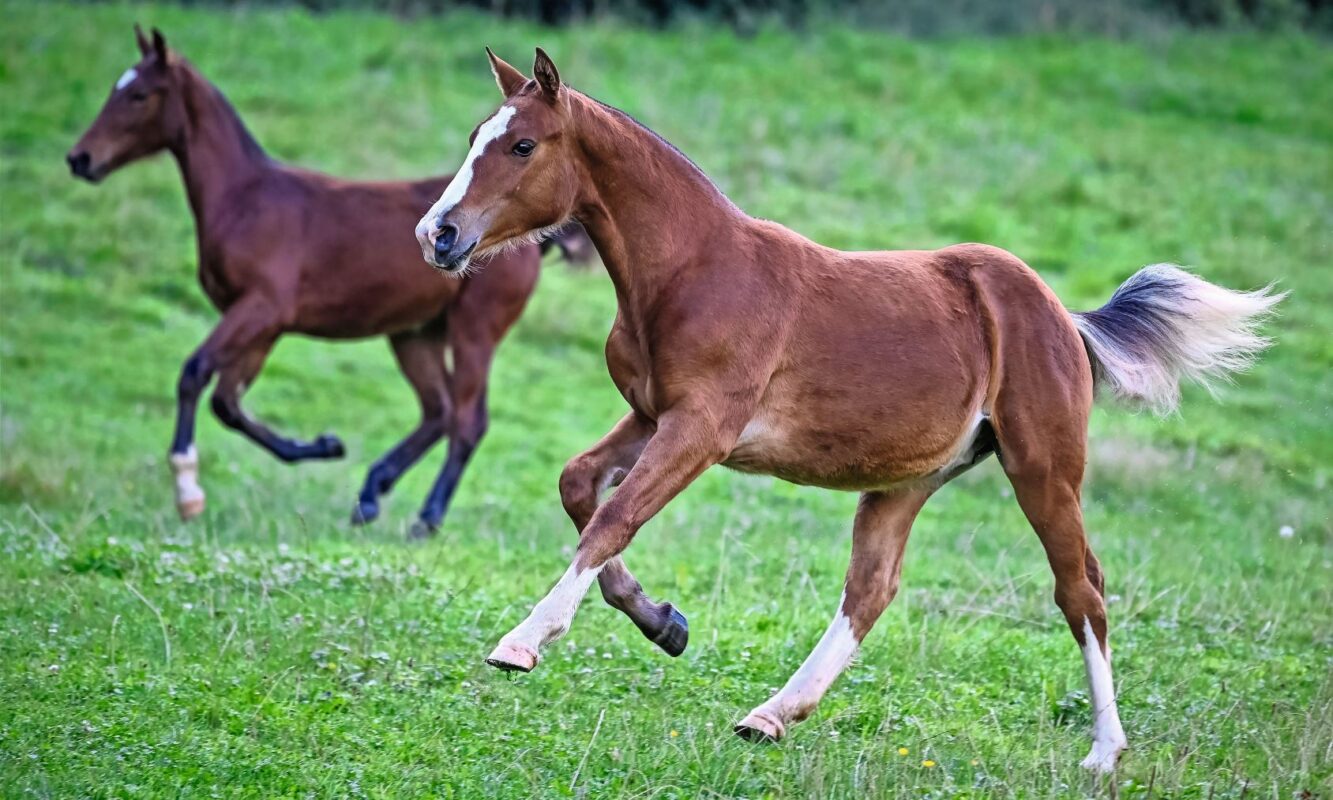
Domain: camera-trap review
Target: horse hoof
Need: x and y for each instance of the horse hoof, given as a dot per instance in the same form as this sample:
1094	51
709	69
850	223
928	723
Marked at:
1103	758
513	657
760	726
675	635
421	529
189	509
366	511
330	446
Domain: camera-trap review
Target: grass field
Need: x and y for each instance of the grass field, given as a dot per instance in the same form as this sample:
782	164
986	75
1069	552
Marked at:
270	650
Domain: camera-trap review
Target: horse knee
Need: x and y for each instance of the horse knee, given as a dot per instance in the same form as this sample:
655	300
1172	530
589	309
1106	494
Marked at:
1093	568
226	410
472	429
194	376
578	487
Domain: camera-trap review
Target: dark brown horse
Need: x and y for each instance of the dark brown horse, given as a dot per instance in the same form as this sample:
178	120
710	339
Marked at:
284	250
739	342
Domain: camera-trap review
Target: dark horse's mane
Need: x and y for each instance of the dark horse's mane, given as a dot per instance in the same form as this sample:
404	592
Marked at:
214	96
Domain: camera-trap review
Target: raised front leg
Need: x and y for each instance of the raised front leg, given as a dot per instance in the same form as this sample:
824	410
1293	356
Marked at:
683	446
883	522
586	478
237	376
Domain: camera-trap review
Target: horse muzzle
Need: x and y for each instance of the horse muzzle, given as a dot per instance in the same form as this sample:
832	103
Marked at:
81	166
443	247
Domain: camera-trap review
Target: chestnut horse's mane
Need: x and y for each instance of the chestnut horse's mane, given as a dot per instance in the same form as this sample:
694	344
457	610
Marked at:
629	120
202	96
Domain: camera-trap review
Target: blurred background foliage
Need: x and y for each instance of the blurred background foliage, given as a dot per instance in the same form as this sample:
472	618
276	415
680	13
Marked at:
907	17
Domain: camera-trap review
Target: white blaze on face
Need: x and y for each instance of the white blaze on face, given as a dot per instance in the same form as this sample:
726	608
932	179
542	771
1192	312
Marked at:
1108	738
490	130
126	78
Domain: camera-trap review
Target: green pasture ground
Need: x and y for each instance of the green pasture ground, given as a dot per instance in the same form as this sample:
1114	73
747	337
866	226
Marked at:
271	650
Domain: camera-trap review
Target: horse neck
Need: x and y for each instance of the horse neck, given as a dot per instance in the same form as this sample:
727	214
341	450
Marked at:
650	211
216	153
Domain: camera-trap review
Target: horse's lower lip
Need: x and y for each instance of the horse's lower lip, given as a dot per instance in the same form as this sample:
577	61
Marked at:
461	258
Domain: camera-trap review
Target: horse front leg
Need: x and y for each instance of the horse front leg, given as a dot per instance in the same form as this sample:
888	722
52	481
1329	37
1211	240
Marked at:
251	319
585	479
683	446
237	376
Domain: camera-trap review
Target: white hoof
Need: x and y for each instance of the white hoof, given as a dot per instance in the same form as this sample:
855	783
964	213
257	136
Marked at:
513	657
189	494
190	507
1103	757
760	726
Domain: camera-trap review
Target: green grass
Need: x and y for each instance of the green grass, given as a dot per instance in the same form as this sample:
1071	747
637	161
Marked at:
295	656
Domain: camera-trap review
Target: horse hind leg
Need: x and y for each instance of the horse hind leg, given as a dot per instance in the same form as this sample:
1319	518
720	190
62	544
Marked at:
1044	462
879	537
420	357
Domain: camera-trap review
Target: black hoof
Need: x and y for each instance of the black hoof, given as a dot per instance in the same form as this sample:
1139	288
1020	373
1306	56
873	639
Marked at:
365	511
421	529
330	446
675	635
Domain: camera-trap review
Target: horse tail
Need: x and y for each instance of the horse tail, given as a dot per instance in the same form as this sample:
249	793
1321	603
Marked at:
574	244
1164	325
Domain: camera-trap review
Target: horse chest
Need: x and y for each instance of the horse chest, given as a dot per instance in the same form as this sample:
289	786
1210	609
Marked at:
630	369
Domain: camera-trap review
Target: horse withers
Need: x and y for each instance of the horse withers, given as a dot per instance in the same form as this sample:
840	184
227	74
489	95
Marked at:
742	343
284	250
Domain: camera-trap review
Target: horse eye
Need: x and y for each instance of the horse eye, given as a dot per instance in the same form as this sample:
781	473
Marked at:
524	148
138	97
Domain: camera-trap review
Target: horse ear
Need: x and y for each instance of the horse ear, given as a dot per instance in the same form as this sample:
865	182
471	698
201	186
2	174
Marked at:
507	78
160	46
144	47
548	77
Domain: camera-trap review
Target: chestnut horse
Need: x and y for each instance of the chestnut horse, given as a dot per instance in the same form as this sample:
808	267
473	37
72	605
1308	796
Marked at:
739	342
283	250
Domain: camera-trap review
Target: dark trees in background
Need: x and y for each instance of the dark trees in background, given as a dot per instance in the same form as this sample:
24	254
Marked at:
911	17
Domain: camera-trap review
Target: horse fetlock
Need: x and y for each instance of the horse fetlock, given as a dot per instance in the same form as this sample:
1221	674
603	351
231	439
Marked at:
330	446
189	494
423	528
365	511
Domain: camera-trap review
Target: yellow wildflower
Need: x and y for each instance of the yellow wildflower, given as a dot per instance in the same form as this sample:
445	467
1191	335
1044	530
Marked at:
902	751
928	763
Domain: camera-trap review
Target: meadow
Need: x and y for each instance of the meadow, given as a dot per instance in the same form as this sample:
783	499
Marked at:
269	649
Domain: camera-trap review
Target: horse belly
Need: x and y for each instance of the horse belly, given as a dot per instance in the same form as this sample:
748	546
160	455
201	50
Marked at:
868	423
855	457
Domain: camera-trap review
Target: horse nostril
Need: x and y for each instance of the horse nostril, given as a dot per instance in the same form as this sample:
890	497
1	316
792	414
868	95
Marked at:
78	163
445	241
